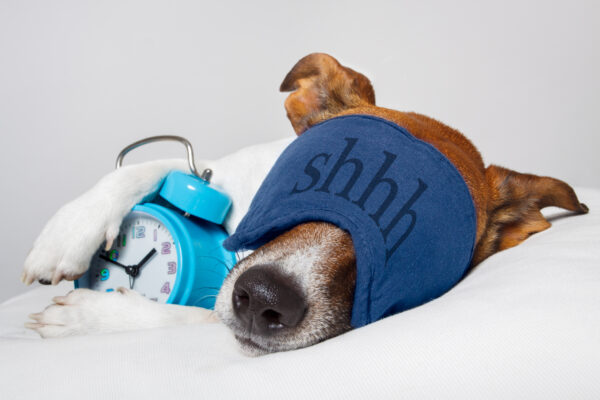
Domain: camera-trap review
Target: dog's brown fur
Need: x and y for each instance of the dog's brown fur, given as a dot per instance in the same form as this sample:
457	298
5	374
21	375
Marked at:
507	203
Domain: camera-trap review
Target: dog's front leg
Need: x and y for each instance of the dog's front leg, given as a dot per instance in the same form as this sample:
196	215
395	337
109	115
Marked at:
85	311
65	246
68	241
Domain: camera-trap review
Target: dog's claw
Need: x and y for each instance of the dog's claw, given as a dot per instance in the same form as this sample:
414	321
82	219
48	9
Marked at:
62	300
33	325
35	316
56	278
27	279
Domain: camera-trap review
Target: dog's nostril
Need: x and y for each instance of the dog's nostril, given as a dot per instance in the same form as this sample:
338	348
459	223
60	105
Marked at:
267	301
272	318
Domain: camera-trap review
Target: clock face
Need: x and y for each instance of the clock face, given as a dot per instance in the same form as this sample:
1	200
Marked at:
143	257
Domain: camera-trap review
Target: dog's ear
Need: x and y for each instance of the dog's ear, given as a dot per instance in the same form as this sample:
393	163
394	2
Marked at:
322	88
515	204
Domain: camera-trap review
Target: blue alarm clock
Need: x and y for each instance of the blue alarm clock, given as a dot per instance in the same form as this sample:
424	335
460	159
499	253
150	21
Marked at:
169	250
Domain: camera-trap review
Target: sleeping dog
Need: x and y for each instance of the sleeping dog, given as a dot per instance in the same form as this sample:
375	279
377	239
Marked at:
317	271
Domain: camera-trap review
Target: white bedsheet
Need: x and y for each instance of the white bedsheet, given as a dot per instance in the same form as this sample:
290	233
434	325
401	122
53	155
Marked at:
524	325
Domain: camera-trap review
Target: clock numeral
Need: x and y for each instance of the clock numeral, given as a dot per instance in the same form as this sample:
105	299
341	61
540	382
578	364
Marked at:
140	232
166	288
165	248
155	235
104	274
121	240
113	254
172	268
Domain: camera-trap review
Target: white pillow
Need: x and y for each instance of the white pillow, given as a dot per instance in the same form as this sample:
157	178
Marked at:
524	324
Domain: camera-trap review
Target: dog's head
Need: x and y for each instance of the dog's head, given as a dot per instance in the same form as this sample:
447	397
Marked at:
298	289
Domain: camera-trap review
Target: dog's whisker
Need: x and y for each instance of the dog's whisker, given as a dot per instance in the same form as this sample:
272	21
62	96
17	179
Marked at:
222	262
208	296
238	256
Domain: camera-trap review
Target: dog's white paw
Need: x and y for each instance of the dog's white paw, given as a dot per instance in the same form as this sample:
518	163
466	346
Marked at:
85	311
65	246
69	240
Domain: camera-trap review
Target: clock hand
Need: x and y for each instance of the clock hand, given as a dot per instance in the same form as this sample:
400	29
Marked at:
147	257
135	269
106	258
131	270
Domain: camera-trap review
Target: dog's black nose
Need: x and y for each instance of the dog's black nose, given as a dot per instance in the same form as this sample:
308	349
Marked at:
267	300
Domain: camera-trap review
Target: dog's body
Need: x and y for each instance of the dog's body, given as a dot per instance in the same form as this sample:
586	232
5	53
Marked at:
311	268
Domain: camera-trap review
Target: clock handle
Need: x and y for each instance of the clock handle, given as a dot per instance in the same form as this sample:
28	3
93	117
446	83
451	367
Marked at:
206	174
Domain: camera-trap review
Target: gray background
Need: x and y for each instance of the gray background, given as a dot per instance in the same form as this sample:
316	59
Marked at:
79	80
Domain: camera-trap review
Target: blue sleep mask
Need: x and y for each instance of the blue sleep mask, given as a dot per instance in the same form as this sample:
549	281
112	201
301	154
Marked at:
408	210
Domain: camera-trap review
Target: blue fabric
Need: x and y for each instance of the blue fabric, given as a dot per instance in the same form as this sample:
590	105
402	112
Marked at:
407	208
